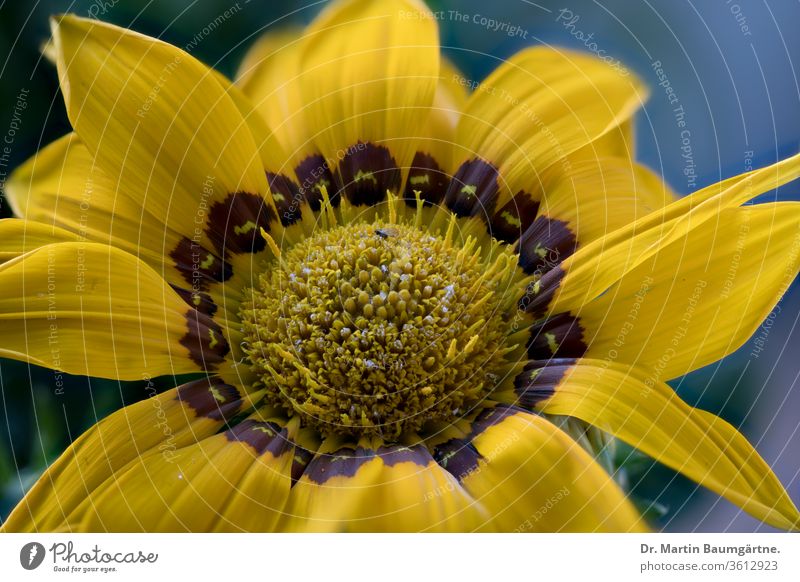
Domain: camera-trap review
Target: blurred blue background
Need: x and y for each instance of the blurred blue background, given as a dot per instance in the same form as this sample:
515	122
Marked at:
732	66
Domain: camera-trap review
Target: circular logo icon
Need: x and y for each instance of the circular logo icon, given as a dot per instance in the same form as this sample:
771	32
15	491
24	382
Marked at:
31	555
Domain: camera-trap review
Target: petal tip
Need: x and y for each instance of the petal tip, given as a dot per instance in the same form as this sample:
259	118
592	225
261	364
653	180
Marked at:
59	21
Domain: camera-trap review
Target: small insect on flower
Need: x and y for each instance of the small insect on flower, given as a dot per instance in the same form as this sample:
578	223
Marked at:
386	232
418	316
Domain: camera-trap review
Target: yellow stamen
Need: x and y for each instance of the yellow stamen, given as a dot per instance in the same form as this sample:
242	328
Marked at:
276	251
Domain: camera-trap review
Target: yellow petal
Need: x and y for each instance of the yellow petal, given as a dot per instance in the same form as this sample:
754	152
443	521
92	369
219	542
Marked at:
91	309
369	75
20	236
651	417
288	194
619	142
700	297
159	122
192	489
535	109
433	161
392	489
580	205
598	265
259	501
451	94
269	77
159	425
532	477
63	185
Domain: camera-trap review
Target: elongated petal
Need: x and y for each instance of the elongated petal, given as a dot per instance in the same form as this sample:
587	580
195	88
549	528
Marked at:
369	75
63	186
269	76
259	502
192	489
701	297
159	425
20	236
619	142
580	205
598	265
91	309
651	417
160	123
531	476
535	109
433	163
386	490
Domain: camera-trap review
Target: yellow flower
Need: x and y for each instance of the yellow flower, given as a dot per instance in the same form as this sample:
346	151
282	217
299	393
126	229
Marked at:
394	289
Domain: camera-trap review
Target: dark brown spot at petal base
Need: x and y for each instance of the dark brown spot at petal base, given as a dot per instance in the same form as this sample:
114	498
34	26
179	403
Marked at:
366	172
287	197
545	244
234	225
264	437
540	293
514	217
428	178
539	380
393	455
347	462
204	339
313	173
560	336
198	300
302	457
211	398
200	267
344	463
458	457
473	190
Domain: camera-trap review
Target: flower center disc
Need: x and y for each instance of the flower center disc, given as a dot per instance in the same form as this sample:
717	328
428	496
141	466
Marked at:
376	330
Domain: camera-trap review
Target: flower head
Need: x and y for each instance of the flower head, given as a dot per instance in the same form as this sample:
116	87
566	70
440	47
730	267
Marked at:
393	290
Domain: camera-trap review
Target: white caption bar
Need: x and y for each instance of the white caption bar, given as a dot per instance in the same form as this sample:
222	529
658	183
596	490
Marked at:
389	557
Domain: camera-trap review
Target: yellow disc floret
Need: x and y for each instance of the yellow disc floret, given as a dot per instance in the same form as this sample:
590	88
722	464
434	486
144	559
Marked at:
376	329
